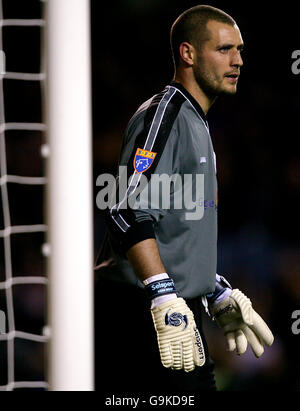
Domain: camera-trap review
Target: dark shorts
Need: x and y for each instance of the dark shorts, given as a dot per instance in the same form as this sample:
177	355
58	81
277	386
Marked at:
126	350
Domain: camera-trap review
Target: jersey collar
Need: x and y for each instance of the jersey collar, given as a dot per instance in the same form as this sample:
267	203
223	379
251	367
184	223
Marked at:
191	99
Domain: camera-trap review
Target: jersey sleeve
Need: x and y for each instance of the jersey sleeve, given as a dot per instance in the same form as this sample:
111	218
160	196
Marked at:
149	147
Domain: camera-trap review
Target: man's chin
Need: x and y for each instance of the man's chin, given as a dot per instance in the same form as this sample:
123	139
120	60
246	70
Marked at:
229	91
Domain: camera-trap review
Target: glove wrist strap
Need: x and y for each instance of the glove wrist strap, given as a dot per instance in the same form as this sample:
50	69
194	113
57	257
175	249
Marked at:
160	288
157	286
223	290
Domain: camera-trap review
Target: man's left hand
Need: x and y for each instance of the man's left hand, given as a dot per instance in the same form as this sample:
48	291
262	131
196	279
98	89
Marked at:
241	324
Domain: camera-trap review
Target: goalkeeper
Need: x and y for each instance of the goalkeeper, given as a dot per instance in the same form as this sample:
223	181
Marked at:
157	267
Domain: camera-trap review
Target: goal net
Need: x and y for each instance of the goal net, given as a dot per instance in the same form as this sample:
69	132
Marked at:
22	230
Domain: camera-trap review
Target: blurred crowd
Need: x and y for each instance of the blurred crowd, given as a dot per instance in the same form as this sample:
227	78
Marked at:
255	139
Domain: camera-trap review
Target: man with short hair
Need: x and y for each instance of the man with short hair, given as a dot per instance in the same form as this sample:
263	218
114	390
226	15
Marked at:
163	261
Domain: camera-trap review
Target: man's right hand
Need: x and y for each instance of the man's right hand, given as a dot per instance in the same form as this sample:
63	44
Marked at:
179	340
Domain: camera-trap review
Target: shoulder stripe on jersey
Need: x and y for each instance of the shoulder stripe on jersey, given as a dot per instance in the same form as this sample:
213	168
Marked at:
159	119
161	108
204	122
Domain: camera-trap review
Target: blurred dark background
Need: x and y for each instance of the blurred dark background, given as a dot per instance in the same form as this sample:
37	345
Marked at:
255	137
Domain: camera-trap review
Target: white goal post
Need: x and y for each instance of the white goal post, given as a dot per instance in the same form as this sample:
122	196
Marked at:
69	195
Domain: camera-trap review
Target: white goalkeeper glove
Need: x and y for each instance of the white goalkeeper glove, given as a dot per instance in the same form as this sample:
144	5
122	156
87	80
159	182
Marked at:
179	341
239	321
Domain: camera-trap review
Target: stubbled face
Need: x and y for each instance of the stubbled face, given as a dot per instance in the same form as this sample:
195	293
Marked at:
217	66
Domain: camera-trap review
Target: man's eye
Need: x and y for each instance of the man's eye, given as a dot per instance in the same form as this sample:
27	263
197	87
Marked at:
224	49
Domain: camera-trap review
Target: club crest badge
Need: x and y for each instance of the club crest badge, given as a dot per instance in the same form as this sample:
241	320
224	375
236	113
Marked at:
143	160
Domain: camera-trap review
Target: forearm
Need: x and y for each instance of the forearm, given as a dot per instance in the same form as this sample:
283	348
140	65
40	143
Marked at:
145	259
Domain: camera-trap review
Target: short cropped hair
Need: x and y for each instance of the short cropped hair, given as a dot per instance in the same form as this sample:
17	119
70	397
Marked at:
191	26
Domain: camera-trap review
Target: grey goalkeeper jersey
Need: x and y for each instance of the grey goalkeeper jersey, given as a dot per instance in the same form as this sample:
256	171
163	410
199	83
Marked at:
168	159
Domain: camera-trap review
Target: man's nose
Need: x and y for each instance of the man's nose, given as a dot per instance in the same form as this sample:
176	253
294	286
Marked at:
237	60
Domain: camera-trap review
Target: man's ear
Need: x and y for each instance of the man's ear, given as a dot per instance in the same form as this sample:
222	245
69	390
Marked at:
187	53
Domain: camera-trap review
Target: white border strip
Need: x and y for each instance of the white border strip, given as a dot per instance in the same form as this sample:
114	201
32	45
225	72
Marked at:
23	229
22	126
24	76
22	22
23	280
23	180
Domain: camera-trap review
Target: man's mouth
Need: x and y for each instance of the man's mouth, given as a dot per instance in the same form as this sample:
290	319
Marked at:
232	77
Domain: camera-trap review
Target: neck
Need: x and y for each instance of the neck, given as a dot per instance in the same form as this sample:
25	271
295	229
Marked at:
194	89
